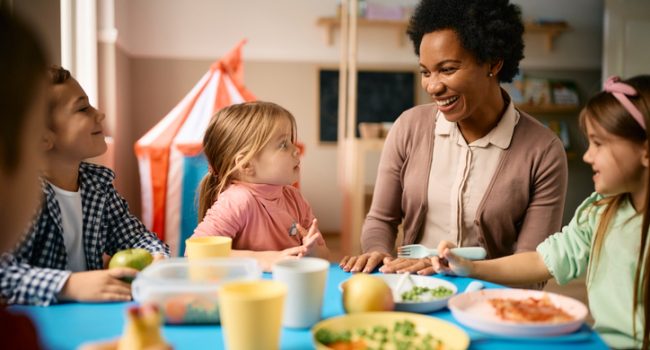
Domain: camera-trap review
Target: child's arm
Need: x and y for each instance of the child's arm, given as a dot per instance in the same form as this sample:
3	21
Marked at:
266	259
127	231
98	285
517	269
22	283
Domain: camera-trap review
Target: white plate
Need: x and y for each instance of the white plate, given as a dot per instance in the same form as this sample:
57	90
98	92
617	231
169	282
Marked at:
424	307
474	311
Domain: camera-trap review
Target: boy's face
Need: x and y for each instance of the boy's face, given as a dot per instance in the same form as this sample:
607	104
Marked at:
20	190
76	132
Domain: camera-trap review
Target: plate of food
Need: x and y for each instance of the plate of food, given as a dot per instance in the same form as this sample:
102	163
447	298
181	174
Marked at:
518	312
387	330
420	294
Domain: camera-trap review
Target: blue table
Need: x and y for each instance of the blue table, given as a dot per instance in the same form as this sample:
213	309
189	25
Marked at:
66	326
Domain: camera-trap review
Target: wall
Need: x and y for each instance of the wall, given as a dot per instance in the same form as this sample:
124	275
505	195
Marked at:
45	16
168	45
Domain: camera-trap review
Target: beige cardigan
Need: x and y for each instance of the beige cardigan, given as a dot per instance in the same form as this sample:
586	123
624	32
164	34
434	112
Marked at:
522	205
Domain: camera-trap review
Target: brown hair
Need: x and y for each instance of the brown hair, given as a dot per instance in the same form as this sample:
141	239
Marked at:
604	110
22	68
241	129
58	75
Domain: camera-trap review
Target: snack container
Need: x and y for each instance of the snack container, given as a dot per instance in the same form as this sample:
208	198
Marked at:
181	296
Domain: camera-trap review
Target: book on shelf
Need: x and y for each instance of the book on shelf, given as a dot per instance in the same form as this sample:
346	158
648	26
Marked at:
561	129
515	89
537	91
564	92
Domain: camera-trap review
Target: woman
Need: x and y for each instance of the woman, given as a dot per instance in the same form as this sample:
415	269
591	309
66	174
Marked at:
468	168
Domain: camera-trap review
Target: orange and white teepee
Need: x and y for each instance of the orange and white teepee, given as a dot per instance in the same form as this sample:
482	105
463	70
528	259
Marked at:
170	157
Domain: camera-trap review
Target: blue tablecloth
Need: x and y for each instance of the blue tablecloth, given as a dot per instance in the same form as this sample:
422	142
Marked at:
66	326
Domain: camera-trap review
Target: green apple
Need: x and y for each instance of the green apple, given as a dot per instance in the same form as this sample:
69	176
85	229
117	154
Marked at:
136	258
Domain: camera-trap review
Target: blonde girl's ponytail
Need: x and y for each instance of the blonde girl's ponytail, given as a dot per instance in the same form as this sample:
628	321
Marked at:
207	193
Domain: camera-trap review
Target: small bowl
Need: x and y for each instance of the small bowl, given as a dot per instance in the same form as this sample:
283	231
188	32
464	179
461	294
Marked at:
423	307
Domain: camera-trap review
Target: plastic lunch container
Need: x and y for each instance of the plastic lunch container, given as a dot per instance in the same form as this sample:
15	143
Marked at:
186	292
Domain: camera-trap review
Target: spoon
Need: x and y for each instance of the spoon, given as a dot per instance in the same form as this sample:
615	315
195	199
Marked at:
400	283
473	287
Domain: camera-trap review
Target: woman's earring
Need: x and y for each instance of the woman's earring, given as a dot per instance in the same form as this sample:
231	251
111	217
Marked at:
490	74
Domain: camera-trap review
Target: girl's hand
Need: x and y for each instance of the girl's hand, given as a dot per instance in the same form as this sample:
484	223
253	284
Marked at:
311	238
450	264
270	257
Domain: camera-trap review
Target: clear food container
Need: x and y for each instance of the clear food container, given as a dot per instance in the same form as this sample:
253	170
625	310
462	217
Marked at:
186	292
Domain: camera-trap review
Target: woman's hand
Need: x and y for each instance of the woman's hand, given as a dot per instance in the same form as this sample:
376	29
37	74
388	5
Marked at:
450	264
400	265
365	262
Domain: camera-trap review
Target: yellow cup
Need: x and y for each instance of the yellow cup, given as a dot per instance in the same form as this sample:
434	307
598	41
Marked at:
251	314
201	248
207	247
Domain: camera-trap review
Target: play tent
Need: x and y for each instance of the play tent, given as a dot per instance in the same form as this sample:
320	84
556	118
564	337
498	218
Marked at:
170	158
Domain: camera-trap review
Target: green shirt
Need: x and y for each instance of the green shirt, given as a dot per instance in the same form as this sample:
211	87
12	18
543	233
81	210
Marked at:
610	281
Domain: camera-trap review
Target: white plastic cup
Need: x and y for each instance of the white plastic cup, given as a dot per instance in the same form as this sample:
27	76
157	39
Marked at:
305	280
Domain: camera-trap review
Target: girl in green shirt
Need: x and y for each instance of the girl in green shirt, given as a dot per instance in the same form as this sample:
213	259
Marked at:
607	237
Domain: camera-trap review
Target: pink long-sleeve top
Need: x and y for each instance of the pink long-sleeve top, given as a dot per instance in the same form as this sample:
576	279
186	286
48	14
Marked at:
257	217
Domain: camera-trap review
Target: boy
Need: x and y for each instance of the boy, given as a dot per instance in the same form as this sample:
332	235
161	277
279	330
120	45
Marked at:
82	217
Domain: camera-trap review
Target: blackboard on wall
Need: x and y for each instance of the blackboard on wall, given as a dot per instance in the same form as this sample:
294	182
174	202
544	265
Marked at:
381	97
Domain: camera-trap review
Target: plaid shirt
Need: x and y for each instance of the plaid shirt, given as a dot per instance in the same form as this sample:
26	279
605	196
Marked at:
34	273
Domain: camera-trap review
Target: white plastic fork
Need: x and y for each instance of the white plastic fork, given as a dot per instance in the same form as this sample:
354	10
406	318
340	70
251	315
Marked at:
416	251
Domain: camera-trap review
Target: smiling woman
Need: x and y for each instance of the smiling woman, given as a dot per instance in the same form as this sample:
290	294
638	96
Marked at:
469	168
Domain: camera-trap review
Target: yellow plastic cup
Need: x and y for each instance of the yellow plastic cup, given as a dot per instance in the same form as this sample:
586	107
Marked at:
200	248
207	247
251	314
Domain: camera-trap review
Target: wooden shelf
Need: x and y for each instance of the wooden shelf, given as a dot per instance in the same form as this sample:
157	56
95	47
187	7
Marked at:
551	30
548	109
332	23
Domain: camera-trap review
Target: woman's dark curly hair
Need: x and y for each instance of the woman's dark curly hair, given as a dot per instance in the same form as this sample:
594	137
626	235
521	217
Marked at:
491	30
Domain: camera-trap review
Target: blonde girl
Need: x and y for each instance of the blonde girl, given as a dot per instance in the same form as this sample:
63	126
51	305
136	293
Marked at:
248	194
607	237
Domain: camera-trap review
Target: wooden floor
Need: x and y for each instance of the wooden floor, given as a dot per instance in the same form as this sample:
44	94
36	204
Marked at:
574	289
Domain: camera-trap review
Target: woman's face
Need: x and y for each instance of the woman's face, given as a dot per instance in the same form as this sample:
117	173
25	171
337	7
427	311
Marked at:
20	189
456	82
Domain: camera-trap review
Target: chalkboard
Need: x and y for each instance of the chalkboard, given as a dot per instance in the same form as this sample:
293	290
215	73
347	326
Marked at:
381	97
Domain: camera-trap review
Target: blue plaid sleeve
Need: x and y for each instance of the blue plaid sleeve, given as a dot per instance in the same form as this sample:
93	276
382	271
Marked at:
22	283
127	231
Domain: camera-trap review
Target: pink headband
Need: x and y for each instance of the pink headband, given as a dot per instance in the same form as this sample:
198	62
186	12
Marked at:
621	91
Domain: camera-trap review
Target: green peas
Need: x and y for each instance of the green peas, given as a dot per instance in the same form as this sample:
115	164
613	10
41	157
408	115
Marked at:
402	335
416	293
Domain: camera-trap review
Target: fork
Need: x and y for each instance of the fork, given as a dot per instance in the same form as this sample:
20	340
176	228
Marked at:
415	251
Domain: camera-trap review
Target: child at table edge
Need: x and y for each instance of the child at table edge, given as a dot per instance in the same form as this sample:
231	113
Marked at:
82	216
